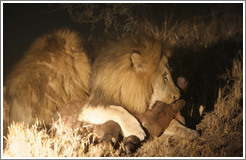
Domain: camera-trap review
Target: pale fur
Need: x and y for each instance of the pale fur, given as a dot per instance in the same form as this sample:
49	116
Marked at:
128	123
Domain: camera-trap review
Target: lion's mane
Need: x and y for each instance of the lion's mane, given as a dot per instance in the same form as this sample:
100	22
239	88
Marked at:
115	80
54	71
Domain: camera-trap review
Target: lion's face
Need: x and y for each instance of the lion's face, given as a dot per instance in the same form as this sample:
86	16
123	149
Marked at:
164	89
133	74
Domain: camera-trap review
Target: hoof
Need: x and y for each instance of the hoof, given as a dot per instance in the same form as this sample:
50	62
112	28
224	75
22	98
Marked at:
108	132
110	139
131	144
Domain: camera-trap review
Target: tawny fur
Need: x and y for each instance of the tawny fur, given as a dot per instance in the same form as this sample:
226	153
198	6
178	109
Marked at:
127	75
5	114
54	71
124	74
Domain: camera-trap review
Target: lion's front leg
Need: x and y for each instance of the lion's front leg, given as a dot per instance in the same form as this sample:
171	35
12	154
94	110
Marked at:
100	114
176	128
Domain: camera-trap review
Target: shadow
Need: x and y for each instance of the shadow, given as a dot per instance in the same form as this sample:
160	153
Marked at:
203	69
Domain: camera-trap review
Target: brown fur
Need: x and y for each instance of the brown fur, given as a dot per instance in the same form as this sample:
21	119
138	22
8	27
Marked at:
156	120
69	114
54	71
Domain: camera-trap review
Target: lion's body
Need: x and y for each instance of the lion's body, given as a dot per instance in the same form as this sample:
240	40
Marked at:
54	71
126	78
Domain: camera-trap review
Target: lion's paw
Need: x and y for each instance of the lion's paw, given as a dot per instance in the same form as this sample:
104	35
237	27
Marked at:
130	126
134	129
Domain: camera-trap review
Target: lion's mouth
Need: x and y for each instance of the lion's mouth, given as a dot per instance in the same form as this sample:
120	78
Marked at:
168	100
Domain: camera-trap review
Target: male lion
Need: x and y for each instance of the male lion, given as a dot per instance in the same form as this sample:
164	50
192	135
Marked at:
126	78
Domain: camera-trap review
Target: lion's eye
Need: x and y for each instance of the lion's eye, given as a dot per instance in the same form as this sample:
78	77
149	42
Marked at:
165	77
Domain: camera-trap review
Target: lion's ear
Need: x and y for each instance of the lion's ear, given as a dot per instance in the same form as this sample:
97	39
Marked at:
137	61
164	60
182	83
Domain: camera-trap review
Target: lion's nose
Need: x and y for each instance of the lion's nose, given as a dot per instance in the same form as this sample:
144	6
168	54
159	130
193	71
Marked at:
177	96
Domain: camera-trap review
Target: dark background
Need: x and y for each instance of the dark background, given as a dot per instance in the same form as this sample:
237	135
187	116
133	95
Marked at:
23	22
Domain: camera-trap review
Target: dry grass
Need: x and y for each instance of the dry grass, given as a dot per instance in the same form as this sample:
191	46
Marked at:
58	141
208	52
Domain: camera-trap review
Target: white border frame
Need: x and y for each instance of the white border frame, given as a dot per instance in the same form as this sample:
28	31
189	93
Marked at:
2	2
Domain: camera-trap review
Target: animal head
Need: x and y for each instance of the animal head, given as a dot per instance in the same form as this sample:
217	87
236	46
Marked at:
164	89
132	73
